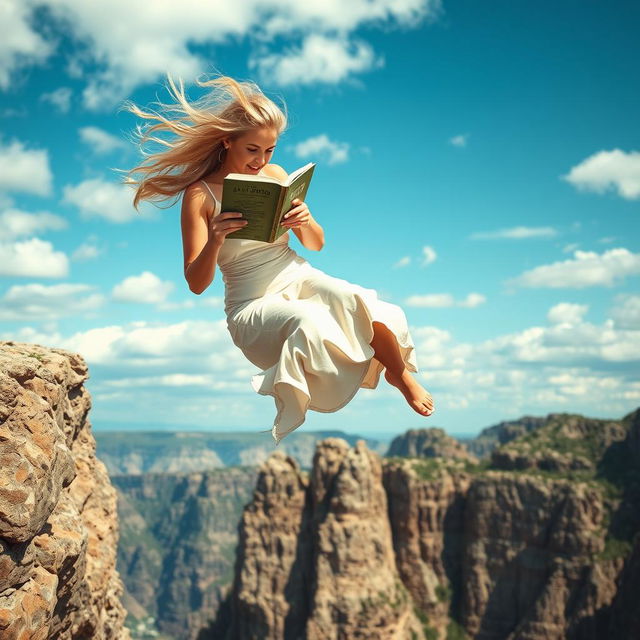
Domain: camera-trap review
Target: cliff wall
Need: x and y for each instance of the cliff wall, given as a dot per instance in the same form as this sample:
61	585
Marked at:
58	523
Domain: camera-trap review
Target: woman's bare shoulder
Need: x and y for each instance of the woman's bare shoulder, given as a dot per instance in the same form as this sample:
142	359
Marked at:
196	197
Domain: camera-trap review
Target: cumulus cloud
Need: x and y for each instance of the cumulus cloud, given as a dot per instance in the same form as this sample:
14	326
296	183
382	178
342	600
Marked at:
626	311
435	300
42	303
24	170
32	258
145	288
320	59
100	141
567	313
604	171
586	269
20	45
60	98
536	370
335	152
15	223
139	50
97	198
516	233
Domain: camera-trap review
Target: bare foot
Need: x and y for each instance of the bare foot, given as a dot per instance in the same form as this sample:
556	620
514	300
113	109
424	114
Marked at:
417	396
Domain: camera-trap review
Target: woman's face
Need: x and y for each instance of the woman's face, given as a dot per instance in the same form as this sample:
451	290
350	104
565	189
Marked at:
249	152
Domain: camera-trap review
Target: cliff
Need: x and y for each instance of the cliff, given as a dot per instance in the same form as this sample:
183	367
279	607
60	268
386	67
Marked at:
178	534
58	525
315	555
540	541
428	443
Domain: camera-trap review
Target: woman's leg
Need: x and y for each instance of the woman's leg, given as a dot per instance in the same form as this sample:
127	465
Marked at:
386	350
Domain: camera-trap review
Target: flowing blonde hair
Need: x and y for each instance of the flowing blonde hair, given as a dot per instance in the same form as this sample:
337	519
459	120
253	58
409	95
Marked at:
231	109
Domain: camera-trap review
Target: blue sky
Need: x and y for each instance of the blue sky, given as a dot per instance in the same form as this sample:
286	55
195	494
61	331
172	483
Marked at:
477	164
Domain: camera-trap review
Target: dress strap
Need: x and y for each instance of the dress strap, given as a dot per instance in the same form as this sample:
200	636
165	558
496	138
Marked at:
214	198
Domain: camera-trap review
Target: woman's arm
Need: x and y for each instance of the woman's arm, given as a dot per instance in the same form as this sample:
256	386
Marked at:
199	247
311	235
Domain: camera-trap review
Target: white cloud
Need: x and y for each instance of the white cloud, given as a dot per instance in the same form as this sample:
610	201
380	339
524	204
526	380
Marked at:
440	300
626	312
428	255
335	152
586	269
570	247
15	223
25	170
320	59
472	300
146	288
459	140
552	367
99	141
96	198
567	313
139	50
86	251
403	262
41	303
60	98
608	170
32	258
20	45
516	233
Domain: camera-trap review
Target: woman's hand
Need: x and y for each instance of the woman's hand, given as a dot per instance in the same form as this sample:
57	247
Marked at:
224	223
298	216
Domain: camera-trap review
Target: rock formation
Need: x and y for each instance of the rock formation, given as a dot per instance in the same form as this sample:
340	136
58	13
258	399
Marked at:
178	534
429	443
315	557
58	525
524	551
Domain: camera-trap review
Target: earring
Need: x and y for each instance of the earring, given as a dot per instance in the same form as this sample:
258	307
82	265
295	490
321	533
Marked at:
220	153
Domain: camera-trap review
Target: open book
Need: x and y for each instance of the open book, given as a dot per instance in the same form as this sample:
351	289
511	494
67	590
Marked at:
263	201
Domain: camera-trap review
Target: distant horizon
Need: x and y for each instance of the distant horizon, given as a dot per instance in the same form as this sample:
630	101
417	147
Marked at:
381	435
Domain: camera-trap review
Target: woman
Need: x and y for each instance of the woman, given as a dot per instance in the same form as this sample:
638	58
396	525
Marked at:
317	338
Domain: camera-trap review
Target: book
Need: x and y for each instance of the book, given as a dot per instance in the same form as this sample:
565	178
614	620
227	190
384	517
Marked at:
263	201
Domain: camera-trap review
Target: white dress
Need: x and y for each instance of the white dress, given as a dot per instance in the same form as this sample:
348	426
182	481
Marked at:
307	331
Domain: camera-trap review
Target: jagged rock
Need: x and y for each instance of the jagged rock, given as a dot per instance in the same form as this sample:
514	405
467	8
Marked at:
564	443
315	557
58	524
491	437
427	521
429	443
178	534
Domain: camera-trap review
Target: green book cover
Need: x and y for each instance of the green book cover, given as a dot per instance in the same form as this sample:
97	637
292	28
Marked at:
263	201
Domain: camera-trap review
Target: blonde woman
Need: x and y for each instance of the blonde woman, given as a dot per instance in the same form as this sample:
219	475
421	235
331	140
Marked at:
316	338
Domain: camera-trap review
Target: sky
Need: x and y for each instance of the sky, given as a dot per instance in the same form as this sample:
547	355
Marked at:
478	164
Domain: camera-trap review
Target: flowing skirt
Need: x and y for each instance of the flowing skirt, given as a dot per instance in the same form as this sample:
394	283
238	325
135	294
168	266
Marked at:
311	338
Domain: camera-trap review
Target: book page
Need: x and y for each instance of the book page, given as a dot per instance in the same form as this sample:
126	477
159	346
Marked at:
298	187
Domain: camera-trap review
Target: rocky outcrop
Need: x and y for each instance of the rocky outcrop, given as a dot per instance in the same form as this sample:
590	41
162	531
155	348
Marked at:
522	553
429	443
492	437
315	556
58	524
565	442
